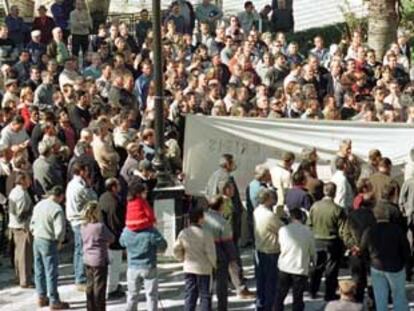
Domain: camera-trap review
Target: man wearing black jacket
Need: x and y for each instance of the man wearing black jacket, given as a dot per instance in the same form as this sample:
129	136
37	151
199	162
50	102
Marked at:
113	216
358	221
385	245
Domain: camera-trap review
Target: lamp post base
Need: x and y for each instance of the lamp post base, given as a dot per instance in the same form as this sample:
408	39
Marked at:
169	211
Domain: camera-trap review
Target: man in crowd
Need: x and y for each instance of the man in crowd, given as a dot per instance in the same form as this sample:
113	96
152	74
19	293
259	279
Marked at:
220	229
267	226
45	175
78	193
297	253
17	28
80	26
249	18
20	212
48	228
344	194
281	178
113	216
262	180
406	205
219	177
382	178
386	246
325	220
208	13
8	50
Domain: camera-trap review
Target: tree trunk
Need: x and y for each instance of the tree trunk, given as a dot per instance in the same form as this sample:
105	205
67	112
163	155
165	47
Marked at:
382	25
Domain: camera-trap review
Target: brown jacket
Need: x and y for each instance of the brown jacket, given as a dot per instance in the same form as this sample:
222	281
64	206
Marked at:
379	181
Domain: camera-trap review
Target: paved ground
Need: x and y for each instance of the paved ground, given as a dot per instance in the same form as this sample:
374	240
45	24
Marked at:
12	298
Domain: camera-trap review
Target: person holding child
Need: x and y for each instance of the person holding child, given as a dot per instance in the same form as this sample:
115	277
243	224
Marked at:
142	241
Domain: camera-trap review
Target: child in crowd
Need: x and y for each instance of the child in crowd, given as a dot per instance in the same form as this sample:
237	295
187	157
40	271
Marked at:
142	246
195	246
226	189
139	215
95	237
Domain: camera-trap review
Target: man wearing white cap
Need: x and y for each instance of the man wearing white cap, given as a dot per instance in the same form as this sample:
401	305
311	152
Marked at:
35	47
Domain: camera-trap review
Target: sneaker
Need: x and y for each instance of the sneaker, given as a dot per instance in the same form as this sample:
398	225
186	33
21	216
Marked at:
246	294
117	294
59	306
43	301
81	287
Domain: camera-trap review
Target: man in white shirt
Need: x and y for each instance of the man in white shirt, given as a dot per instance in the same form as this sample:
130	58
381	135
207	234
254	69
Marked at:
14	136
282	178
69	75
267	226
297	252
78	193
344	193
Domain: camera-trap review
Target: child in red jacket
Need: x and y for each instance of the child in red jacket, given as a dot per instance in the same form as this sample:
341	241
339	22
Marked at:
139	214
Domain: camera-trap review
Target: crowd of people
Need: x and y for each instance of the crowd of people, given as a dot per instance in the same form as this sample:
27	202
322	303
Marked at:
77	142
302	229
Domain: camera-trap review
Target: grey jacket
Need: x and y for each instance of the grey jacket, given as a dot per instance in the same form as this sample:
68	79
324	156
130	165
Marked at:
45	175
406	201
43	96
20	208
48	221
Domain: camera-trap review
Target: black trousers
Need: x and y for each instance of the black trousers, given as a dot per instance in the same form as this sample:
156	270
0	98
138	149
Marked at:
96	288
329	254
298	283
410	261
359	271
266	273
221	278
80	42
197	286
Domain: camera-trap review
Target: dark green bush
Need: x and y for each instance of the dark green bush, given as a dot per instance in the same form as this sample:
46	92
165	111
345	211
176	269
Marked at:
331	34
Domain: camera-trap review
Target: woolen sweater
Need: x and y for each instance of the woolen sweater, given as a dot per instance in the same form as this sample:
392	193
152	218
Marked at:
95	239
195	247
139	215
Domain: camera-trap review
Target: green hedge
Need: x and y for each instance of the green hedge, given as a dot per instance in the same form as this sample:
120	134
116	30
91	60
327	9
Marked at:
331	34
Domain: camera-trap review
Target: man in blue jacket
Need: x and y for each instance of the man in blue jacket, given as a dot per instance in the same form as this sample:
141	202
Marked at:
142	247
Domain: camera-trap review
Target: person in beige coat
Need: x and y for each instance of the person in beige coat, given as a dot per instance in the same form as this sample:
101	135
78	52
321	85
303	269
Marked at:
104	152
196	248
266	232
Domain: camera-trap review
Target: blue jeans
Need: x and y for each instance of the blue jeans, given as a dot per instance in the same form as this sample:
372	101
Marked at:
195	286
266	279
135	278
46	269
78	266
382	282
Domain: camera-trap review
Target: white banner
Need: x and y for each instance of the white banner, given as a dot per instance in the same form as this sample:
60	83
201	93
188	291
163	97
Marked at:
255	141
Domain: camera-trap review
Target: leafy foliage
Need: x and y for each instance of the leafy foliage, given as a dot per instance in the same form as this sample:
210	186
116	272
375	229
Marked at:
330	34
